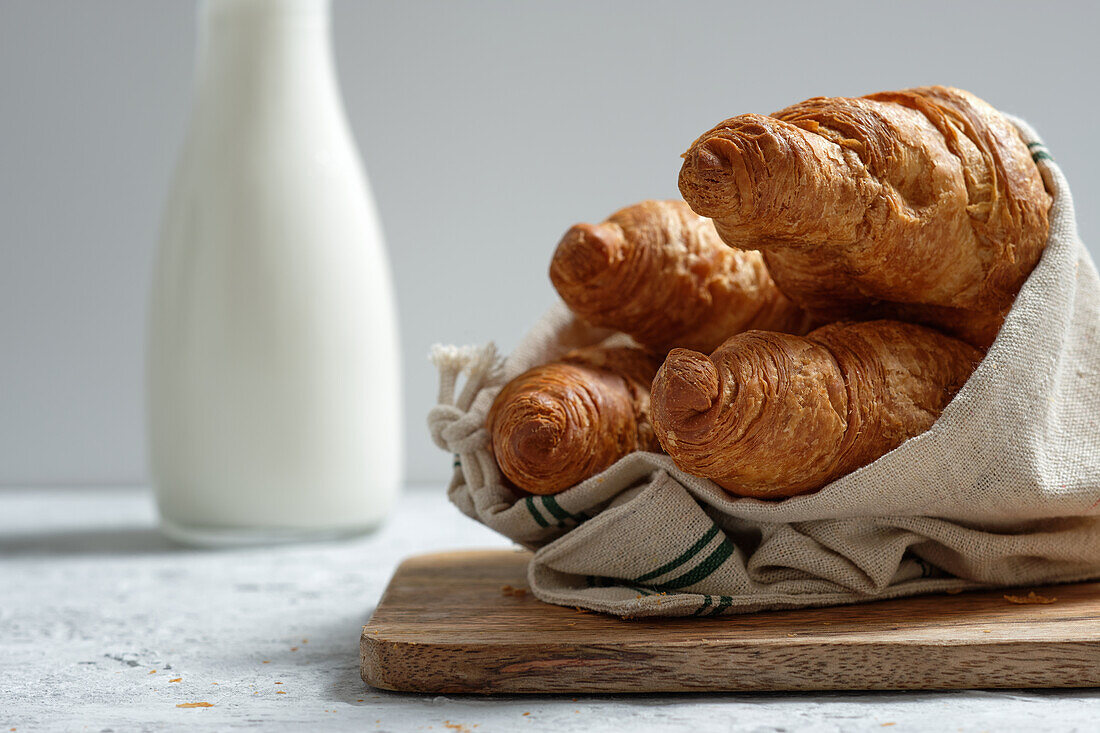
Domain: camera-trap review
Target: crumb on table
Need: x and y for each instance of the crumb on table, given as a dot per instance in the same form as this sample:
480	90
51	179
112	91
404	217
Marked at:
1031	597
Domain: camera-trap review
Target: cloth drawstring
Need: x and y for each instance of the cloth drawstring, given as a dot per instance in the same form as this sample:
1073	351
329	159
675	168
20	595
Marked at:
452	426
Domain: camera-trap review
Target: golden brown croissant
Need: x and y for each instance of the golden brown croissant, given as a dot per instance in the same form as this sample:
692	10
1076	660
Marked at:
557	424
926	198
659	272
773	415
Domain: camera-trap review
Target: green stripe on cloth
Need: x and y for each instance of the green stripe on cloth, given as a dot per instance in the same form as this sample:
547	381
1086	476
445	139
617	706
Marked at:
1039	151
551	504
535	512
703	569
723	603
688	554
705	606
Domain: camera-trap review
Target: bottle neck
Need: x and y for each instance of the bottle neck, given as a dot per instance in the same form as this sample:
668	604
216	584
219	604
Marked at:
259	51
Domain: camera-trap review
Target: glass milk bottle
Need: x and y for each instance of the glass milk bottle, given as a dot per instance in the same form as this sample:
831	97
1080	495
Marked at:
273	382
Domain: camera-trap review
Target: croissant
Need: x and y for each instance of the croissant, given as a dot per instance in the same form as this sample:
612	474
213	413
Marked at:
922	203
773	415
660	273
558	424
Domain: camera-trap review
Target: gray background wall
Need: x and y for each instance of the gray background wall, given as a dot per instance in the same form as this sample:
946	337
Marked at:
487	129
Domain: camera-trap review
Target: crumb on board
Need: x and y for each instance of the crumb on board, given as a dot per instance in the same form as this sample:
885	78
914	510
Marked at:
293	648
455	726
177	679
266	661
507	590
152	671
884	725
280	692
278	683
527	713
1031	597
195	705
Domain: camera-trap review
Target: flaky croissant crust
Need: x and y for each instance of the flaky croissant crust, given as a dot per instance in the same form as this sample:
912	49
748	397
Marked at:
774	415
560	423
925	196
659	272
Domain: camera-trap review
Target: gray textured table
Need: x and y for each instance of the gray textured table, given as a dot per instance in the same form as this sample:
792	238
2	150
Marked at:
106	625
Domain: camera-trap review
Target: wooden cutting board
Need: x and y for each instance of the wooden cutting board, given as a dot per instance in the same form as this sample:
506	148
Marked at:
448	624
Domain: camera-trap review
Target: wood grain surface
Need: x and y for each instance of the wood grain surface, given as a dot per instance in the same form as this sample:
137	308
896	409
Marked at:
446	624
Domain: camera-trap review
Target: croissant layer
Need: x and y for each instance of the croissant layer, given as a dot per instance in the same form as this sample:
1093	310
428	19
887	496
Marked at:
560	423
660	273
773	415
926	198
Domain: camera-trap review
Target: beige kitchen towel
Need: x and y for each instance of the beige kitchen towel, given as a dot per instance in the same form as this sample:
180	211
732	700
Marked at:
1003	490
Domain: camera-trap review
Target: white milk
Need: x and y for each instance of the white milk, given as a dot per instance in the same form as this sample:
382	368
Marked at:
274	396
